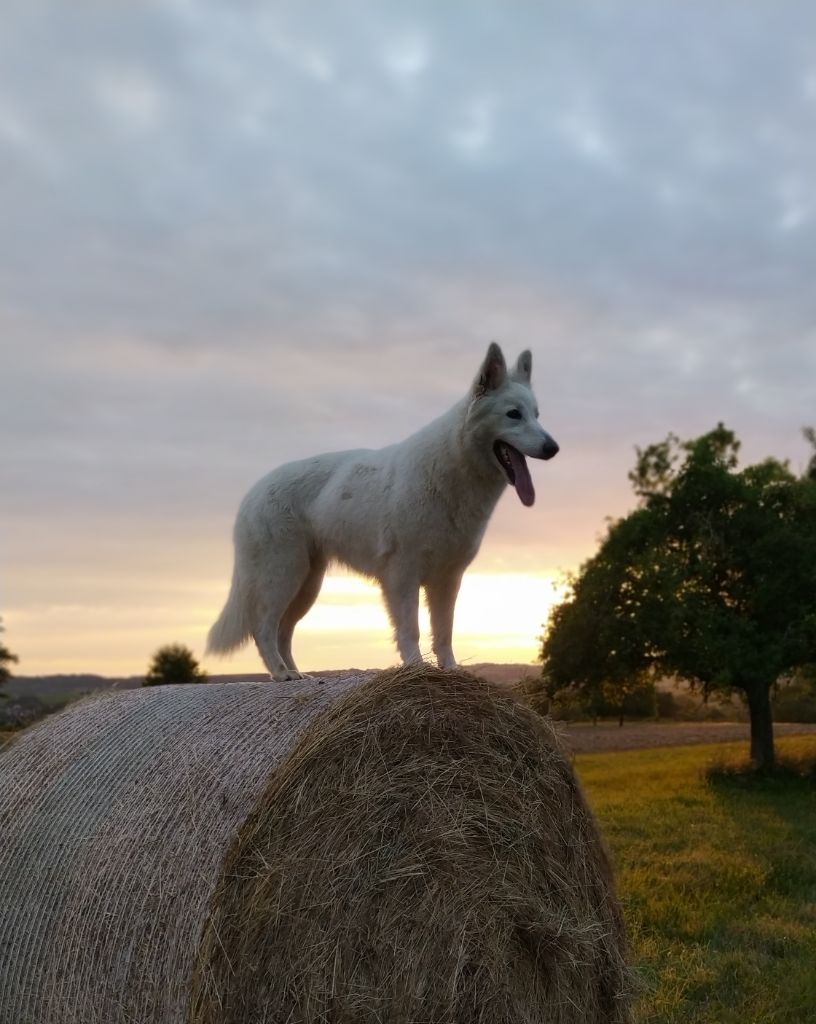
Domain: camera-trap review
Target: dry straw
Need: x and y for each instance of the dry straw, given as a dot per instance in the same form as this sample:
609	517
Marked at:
411	849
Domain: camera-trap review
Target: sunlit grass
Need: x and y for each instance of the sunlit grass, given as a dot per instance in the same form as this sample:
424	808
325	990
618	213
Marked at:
718	882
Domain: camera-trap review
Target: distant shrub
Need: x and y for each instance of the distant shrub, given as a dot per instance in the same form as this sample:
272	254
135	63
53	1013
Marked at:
691	707
666	704
6	659
622	702
174	663
711	712
795	702
640	703
18	712
569	707
534	692
573	705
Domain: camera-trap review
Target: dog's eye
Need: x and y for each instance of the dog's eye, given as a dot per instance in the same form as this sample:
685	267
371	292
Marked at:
514	414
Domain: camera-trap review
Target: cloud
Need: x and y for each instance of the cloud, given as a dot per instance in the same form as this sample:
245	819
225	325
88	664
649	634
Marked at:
406	56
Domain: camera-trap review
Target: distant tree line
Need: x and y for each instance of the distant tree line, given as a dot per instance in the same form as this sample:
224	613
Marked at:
711	579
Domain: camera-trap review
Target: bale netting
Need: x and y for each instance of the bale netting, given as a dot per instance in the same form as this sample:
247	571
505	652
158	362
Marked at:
411	848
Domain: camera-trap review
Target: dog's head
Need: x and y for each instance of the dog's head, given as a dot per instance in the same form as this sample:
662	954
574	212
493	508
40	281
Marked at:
504	413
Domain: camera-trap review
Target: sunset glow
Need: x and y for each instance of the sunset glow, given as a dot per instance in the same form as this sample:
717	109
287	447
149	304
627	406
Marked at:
498	618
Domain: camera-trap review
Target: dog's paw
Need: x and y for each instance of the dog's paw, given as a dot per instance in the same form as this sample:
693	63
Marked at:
446	661
289	675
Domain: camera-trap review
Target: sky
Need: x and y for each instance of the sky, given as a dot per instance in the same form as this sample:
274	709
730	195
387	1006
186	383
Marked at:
234	235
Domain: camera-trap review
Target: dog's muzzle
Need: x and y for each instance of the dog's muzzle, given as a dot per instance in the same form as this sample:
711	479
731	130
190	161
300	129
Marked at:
549	449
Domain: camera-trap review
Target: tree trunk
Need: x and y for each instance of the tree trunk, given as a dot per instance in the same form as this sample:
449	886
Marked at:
762	740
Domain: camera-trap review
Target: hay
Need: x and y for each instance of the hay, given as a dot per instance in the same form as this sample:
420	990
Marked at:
411	848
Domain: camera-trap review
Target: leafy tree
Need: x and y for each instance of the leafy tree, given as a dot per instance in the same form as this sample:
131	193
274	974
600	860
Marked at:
6	659
810	436
174	663
712	579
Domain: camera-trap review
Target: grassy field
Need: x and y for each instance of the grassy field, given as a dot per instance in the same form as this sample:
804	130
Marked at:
718	882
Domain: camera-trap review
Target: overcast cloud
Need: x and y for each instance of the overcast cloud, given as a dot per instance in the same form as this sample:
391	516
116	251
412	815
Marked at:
236	234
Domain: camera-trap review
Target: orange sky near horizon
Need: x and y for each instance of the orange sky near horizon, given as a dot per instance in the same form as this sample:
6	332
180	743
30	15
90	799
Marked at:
499	617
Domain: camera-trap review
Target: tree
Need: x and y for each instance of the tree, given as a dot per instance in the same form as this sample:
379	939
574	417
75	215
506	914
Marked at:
582	626
712	579
174	663
6	659
810	436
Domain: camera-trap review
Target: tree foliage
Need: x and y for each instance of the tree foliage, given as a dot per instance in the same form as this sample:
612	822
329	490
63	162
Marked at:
810	436
6	659
712	579
174	663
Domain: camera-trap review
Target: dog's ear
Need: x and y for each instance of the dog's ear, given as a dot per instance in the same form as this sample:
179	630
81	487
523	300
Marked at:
524	367
492	372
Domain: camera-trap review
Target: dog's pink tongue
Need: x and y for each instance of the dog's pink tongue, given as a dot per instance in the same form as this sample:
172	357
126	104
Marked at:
524	483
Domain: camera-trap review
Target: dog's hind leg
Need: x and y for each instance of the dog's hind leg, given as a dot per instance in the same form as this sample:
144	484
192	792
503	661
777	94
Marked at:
301	603
401	596
278	584
441	596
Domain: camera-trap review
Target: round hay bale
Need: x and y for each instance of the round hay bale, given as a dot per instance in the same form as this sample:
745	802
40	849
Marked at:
407	848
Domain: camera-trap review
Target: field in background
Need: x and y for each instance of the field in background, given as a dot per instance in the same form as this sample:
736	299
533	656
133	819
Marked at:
718	882
583	737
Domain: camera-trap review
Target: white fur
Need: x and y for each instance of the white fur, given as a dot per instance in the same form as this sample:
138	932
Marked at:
411	515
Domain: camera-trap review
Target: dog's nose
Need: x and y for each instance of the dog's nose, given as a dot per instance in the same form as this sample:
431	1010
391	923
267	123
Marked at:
549	449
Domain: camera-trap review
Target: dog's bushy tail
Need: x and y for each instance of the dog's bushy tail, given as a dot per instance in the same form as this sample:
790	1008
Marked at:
232	628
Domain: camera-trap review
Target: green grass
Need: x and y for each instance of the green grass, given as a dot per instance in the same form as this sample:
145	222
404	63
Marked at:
718	882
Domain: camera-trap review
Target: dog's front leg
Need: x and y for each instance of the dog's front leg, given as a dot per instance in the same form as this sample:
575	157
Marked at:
401	596
441	594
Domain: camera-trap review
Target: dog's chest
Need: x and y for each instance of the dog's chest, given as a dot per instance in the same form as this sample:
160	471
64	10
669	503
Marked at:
444	535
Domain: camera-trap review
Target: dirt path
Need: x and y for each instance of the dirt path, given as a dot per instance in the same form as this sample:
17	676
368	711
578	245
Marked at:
582	738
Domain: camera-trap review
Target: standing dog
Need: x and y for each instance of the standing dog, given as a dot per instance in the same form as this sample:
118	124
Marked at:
410	516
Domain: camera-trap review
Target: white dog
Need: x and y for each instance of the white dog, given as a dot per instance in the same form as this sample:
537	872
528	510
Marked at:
410	516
